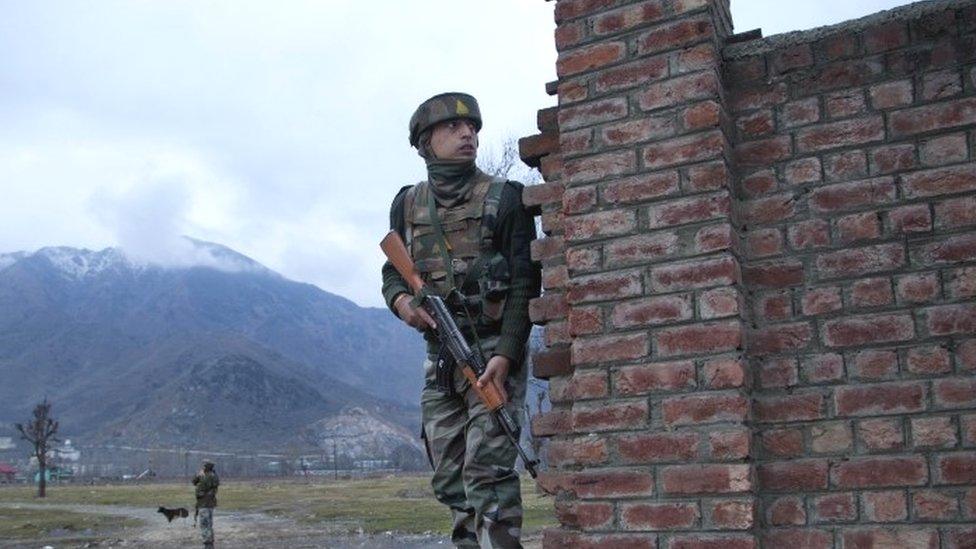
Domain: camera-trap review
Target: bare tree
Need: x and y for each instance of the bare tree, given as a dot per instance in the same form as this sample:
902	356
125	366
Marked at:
38	432
504	161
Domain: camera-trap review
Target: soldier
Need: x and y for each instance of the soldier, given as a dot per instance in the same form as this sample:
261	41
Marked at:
468	234
206	482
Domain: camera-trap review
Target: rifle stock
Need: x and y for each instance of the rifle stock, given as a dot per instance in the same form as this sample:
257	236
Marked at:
470	362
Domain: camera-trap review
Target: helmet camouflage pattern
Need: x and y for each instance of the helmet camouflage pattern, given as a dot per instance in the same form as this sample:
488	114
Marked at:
442	107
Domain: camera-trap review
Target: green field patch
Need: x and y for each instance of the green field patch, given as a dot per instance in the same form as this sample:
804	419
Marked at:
63	526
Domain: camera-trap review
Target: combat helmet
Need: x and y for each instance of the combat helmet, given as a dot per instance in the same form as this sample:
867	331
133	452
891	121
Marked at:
442	107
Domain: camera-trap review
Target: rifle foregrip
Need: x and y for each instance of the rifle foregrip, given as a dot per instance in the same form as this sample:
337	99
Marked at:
396	251
488	394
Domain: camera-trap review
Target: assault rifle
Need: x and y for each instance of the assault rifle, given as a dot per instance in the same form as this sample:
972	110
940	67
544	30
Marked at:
469	361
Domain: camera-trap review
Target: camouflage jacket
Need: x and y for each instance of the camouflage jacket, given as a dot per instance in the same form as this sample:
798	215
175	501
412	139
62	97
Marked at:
512	232
206	489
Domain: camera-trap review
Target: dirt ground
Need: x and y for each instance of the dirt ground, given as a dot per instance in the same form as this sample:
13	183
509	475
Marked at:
231	529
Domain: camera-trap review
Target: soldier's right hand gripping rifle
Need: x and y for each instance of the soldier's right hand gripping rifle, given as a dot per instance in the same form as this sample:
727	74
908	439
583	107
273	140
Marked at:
470	362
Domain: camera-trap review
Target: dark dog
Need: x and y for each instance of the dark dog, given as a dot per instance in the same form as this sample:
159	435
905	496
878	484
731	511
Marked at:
170	514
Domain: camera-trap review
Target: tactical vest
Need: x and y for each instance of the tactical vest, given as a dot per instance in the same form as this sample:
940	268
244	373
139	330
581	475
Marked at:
481	273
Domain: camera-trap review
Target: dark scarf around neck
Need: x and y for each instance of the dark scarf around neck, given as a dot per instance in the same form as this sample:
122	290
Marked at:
451	181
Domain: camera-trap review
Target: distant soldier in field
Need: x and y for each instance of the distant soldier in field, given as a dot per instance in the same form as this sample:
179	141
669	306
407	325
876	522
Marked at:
206	482
468	234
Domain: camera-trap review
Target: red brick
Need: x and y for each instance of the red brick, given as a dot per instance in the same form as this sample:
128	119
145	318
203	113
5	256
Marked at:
856	194
818	301
966	355
879	472
799	113
874	364
933	432
658	447
579	200
786	511
956	213
704	408
718	303
951	319
881	398
713	238
928	360
946	149
956	468
783	443
568	35
797	538
587	58
845	103
862	330
887	36
823	367
592	113
904	538
652	311
574	143
571	9
940	116
846	74
915	218
955	392
759	183
729	445
640	188
960	538
840	134
605	416
769	209
813	233
704	273
831	438
688	210
887	506
774	305
585	515
556	333
950	250
600	166
857	227
631	74
917	288
756	123
577	451
612	483
572	91
790	58
871	292
779	274
962	282
556	422
730	514
892	158
881	434
940	85
745	69
674	91
797	407
600	224
585	320
555	277
860	261
763	152
892	94
708	177
806	170
707	114
551	362
609	348
675	35
698	339
542	193
778	372
580	386
683	150
547	307
583	259
835	508
723	373
627	18
793	476
547	250
640	249
654	377
846	165
705	479
939	181
780	338
968	428
658	516
764	242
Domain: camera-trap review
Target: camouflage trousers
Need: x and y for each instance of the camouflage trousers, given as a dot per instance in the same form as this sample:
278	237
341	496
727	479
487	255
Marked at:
206	524
474	463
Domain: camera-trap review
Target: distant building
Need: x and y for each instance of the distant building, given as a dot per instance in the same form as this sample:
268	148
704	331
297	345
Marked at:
7	472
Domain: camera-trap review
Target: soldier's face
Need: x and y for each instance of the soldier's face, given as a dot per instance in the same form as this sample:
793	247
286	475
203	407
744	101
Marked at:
455	140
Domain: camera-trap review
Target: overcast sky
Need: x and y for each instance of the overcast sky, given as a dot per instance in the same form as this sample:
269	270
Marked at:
275	128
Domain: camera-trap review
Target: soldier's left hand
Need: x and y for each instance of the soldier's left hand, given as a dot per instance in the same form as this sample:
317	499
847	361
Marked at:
496	372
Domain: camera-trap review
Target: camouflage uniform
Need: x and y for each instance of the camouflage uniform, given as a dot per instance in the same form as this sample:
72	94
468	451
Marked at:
206	493
488	236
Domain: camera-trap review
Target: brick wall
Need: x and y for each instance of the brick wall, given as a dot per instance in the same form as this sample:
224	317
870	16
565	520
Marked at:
759	266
